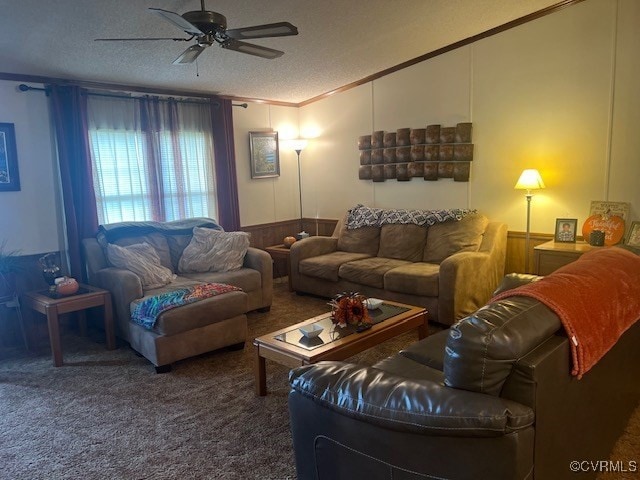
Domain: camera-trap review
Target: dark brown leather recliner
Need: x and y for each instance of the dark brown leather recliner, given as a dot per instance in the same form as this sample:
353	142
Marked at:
491	398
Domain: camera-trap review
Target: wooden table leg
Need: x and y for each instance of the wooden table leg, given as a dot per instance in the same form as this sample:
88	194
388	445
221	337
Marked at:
260	373
54	335
423	330
109	329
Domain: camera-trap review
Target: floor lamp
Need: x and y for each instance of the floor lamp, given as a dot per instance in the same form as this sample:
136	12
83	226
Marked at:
298	145
530	179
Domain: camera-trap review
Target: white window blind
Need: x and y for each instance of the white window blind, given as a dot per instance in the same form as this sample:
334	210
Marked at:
161	173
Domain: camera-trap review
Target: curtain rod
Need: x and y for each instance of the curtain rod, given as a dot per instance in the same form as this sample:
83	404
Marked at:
25	88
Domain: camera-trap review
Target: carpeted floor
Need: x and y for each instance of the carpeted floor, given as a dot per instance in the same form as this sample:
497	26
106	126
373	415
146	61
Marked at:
106	414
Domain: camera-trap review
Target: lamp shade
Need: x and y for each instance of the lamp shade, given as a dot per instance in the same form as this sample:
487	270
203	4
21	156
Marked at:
530	179
298	144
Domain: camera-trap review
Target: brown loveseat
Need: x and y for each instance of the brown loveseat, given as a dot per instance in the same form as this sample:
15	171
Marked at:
191	329
450	268
493	397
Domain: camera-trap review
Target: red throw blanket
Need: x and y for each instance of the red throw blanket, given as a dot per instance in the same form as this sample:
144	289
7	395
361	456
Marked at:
597	298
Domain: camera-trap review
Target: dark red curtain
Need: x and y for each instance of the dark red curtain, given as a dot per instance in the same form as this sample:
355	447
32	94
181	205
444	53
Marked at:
225	164
69	107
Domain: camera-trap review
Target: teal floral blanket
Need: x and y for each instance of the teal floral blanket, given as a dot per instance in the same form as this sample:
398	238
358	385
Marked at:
146	312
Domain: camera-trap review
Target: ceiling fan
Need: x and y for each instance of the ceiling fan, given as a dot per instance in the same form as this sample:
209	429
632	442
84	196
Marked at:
207	28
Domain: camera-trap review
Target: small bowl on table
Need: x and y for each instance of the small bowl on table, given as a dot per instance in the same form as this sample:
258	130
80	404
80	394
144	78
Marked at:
311	331
373	303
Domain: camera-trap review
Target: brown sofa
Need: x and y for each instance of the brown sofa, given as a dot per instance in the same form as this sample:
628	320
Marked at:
492	397
191	329
450	268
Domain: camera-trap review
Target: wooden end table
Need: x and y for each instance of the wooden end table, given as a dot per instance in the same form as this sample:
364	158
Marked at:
52	306
550	256
280	252
288	346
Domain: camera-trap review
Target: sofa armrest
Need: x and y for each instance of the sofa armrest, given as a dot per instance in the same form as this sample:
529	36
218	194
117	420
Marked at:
307	248
467	279
261	261
312	247
125	287
408	405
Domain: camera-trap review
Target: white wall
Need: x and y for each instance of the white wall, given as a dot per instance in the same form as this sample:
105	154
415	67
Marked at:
558	94
266	200
30	219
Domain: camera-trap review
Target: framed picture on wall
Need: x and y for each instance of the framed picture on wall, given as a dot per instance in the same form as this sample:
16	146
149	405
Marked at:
265	161
9	178
566	230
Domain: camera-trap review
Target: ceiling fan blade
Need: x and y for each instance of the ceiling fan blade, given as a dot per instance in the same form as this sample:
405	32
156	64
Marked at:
189	55
139	39
280	29
251	49
178	21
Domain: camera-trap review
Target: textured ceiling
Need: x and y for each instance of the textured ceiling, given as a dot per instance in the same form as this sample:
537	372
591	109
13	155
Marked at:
340	41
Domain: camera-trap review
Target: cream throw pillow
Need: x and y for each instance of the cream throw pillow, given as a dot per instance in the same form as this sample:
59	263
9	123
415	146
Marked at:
214	251
143	260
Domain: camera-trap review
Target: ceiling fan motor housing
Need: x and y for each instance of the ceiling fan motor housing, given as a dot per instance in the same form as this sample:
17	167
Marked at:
209	23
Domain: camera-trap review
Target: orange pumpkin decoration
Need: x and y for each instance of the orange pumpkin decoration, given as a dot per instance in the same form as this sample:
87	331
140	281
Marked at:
288	241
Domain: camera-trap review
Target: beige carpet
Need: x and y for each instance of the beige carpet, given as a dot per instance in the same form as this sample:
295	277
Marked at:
106	414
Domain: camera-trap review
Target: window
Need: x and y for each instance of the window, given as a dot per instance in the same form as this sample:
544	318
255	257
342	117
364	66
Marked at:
152	159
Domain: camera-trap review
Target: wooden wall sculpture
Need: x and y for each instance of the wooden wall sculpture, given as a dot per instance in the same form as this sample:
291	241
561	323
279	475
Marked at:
430	153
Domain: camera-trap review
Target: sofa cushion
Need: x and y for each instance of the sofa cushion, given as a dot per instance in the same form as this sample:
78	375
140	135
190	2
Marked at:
369	271
409	368
177	244
402	242
326	266
418	278
445	239
214	251
156	240
247	279
428	351
359	240
199	314
143	260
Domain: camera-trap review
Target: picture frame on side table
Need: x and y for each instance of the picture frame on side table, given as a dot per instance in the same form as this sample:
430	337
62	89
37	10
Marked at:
265	159
565	231
9	176
633	240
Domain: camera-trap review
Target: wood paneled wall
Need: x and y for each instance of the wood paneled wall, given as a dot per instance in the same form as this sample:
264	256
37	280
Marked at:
268	234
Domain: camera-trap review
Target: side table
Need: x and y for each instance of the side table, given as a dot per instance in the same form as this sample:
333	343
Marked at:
280	252
550	256
53	305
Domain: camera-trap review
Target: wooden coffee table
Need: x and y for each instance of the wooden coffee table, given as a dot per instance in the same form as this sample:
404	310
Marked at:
290	348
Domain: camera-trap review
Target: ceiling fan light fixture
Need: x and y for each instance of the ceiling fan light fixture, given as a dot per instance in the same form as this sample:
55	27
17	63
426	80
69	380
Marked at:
208	27
207	22
206	40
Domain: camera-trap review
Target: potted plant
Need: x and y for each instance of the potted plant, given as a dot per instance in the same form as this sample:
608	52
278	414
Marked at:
9	266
